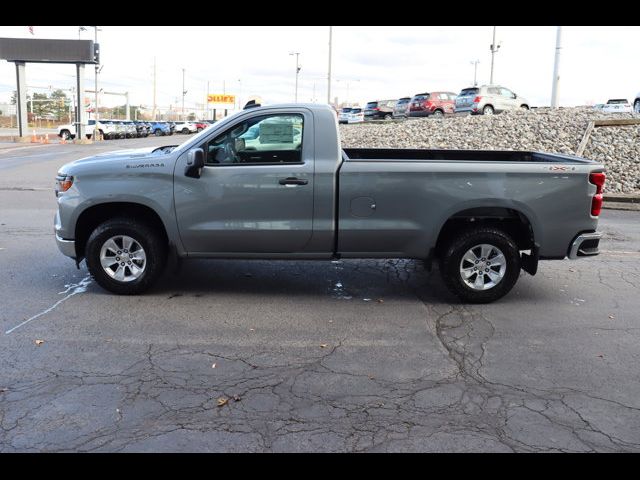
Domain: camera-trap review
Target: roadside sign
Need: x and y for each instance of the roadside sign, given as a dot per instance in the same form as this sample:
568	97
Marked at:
222	99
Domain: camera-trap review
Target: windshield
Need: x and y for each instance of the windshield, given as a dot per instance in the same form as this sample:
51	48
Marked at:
402	101
346	110
372	105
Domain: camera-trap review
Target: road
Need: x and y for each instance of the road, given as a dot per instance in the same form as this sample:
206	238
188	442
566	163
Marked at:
307	356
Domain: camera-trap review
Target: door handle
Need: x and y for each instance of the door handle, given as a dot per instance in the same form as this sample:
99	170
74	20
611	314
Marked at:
292	181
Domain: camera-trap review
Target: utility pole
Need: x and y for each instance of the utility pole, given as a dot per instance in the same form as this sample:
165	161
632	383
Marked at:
494	48
329	71
297	54
556	70
475	72
96	115
184	92
154	89
206	103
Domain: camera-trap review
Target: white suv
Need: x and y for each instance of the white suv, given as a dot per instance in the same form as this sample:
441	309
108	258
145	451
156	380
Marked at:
186	127
107	130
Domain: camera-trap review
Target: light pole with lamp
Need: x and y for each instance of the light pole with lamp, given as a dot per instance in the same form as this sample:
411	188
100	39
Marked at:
298	67
97	70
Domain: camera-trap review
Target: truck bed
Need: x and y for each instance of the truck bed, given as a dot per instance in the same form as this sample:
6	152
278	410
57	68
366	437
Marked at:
415	154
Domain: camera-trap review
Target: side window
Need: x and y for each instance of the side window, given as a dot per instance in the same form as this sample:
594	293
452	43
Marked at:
267	139
505	92
493	91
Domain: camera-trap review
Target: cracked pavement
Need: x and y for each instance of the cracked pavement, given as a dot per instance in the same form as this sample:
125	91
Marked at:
357	355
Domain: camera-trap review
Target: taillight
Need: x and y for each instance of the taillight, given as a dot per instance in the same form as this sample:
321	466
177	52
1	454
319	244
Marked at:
478	99
596	205
597	179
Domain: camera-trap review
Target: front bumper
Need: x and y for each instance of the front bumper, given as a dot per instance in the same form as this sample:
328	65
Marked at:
67	247
585	245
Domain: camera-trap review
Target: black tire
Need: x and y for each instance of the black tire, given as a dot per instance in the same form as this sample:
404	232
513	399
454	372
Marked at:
151	241
438	114
451	261
157	132
65	134
388	116
185	131
524	107
488	110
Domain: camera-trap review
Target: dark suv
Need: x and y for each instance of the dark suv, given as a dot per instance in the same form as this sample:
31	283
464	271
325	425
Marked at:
436	103
401	108
380	109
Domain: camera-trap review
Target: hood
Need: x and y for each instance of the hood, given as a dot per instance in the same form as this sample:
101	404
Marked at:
118	156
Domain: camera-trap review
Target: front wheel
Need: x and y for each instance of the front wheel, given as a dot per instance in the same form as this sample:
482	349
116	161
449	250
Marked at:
125	256
481	265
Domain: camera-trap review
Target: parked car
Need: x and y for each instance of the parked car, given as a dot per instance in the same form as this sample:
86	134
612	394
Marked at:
615	105
106	129
484	215
142	128
379	110
160	129
488	99
186	127
636	103
401	107
343	116
200	125
356	115
435	104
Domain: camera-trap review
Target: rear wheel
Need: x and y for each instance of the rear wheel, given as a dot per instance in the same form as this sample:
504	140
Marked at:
438	114
524	107
65	134
488	110
481	265
388	116
125	256
185	131
157	133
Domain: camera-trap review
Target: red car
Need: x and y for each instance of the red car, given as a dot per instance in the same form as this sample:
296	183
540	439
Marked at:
436	103
200	125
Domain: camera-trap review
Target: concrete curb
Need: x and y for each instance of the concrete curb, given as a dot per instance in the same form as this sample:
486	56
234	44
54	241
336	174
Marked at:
622	198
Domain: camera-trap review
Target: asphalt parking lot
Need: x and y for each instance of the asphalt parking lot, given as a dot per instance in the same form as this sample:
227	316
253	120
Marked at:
307	356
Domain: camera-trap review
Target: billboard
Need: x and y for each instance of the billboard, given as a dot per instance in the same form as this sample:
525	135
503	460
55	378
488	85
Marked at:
221	98
47	50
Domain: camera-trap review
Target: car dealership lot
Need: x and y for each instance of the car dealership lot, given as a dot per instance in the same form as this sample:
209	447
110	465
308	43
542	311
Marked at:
371	355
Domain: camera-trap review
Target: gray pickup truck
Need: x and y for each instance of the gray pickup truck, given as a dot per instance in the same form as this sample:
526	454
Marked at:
273	183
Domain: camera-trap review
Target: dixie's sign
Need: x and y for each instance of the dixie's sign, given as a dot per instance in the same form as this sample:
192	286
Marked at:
221	98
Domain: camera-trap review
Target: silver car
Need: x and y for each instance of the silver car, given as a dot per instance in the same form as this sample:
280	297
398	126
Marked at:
488	99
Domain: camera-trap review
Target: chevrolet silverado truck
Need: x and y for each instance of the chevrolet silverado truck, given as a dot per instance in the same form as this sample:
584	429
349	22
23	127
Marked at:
273	182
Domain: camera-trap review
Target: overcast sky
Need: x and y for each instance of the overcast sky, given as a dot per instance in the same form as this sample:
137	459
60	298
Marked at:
597	63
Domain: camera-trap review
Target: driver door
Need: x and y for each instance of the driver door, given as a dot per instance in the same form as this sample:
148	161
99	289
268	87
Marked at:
255	194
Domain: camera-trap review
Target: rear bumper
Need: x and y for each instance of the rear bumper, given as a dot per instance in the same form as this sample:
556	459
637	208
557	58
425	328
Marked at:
585	245
67	247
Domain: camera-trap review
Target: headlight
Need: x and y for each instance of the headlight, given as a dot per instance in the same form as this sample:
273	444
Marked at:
63	183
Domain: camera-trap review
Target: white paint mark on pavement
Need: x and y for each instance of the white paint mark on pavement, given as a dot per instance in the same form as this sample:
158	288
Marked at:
74	288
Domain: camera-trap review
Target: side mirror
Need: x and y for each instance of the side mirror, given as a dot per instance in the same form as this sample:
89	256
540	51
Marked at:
195	163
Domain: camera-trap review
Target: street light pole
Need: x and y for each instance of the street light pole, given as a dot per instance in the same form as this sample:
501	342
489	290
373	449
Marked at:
297	54
494	48
475	72
556	70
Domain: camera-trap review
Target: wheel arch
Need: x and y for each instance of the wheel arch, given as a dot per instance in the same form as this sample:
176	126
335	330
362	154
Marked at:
94	215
